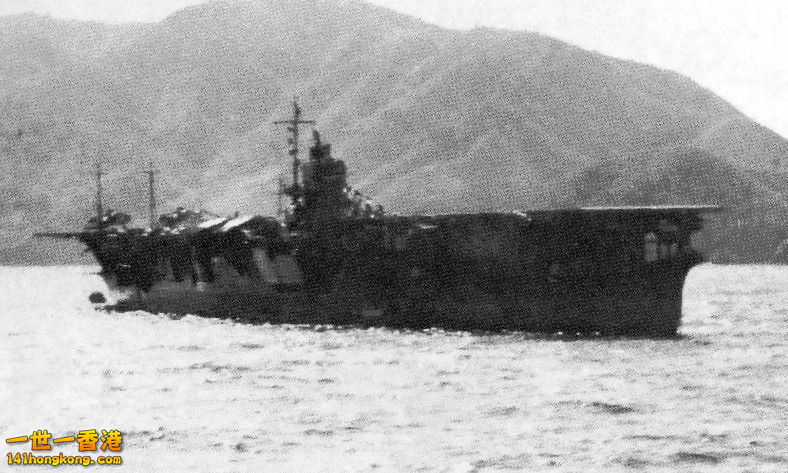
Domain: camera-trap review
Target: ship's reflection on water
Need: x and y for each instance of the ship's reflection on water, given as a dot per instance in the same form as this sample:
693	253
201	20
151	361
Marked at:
198	394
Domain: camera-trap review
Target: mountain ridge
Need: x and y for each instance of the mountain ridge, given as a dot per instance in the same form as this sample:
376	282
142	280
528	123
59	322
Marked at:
428	120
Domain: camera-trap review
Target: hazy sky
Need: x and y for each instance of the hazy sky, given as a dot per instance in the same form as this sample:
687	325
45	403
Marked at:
737	49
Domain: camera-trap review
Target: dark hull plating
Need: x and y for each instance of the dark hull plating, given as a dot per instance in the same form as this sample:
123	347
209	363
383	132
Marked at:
640	307
488	272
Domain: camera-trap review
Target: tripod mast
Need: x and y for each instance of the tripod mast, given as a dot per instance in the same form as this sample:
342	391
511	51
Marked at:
292	127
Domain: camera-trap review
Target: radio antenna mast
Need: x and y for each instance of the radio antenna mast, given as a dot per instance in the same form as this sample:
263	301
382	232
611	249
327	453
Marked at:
292	127
99	196
151	172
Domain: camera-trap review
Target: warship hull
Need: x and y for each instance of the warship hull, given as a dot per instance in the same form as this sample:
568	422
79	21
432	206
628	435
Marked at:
646	306
583	271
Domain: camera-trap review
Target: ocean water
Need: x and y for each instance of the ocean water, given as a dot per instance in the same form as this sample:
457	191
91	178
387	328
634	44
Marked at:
196	394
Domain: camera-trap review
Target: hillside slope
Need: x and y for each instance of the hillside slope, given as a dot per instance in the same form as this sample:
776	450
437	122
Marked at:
428	120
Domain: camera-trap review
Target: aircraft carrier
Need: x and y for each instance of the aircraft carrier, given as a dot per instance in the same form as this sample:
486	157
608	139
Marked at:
334	257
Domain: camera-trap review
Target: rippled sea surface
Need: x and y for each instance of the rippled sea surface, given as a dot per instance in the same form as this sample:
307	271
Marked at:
196	394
